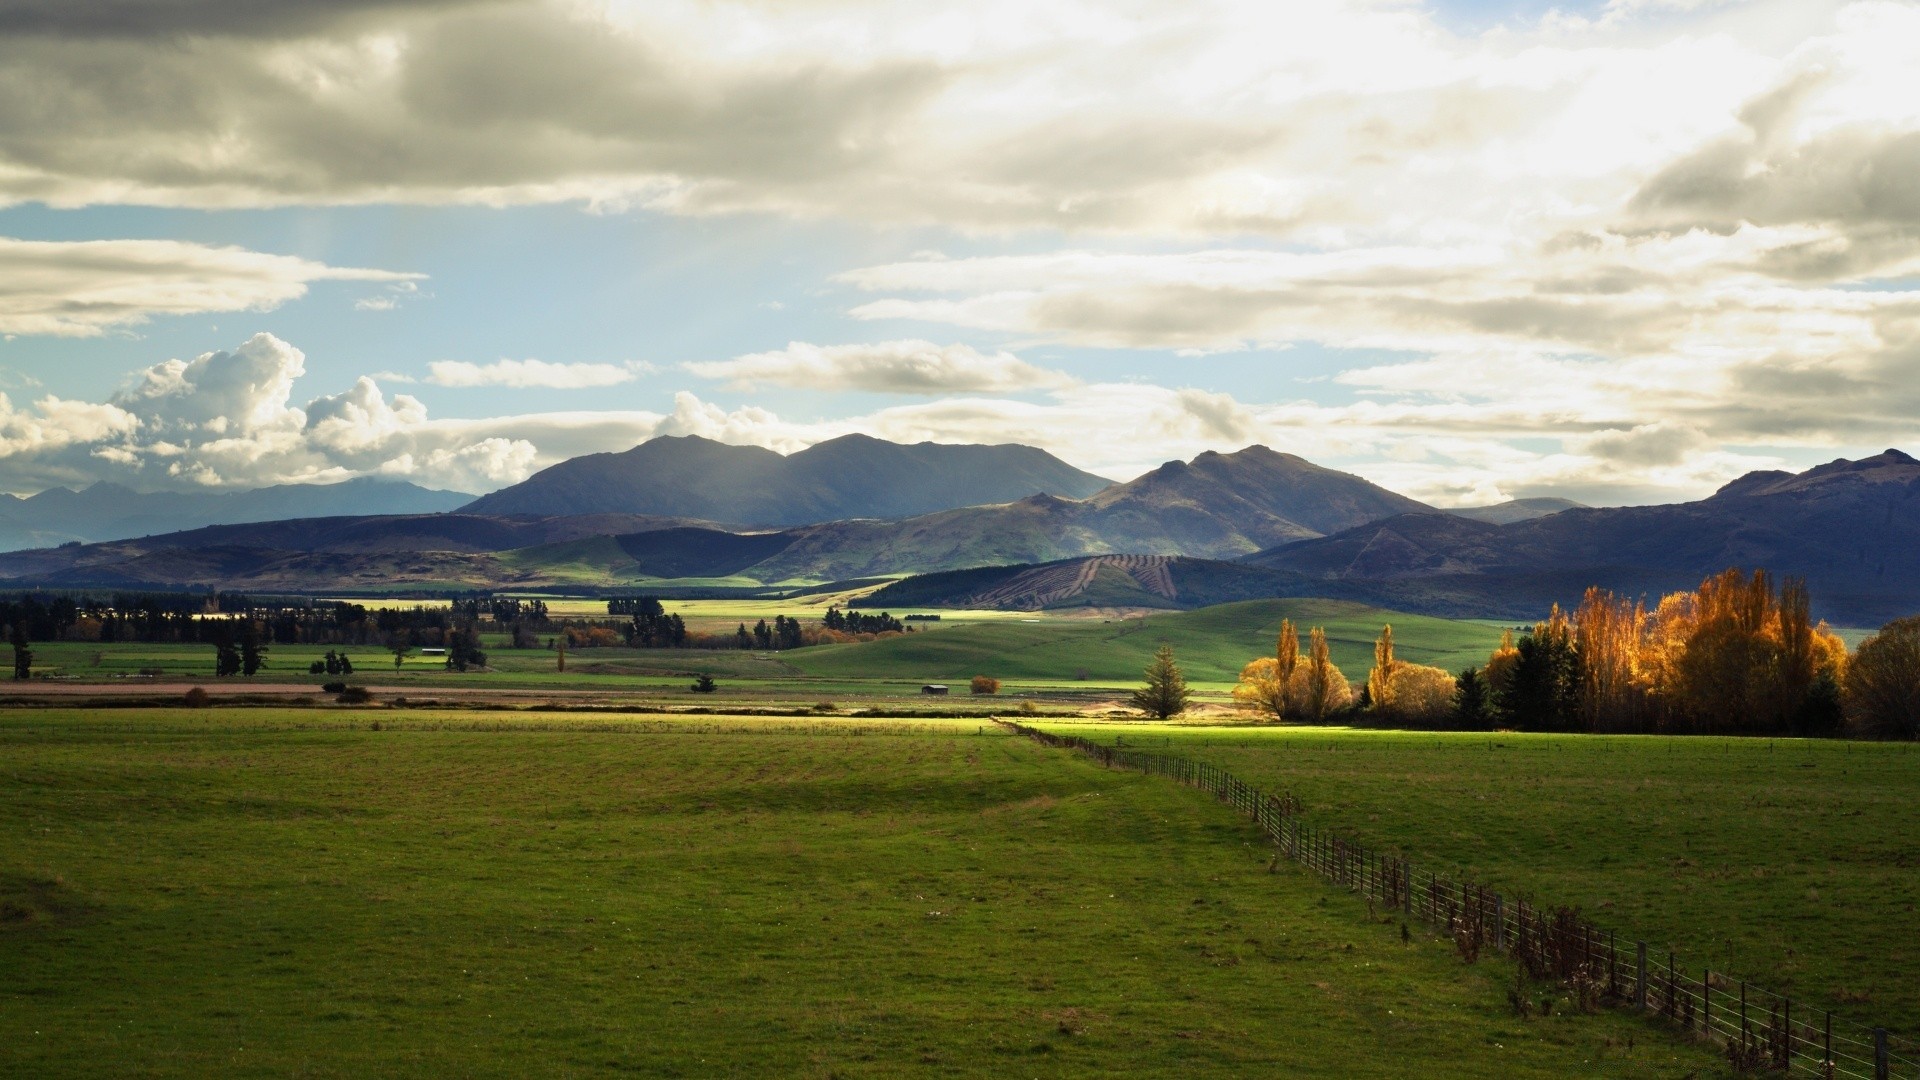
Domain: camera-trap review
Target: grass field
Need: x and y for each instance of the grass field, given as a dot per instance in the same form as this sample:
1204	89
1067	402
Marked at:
272	893
1792	862
1212	644
1068	657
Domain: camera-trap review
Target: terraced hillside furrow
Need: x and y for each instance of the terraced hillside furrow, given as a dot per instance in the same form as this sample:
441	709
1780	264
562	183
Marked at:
1048	586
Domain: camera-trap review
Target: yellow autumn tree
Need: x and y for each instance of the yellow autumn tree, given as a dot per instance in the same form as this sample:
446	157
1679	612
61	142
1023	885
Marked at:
1500	665
1260	688
1324	688
1380	679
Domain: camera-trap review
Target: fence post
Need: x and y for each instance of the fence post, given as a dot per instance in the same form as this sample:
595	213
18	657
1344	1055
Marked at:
1879	1054
1499	922
1640	980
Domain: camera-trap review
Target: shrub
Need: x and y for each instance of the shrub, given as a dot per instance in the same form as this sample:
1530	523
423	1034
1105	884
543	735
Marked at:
825	706
703	684
355	695
1027	708
335	687
318	667
1418	695
984	684
198	698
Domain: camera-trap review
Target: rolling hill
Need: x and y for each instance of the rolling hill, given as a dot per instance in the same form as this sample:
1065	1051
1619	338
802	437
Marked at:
1850	528
1212	644
853	476
1102	581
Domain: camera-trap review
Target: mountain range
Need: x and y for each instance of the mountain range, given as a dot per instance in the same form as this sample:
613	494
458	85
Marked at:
111	512
854	476
1850	528
1222	526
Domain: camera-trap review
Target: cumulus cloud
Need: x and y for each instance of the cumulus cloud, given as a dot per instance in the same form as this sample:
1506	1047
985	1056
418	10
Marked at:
85	288
530	374
888	367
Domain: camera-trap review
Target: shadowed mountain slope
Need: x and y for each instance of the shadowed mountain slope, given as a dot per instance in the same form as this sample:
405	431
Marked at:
1851	528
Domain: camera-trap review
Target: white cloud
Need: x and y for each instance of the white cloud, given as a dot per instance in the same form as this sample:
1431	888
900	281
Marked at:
888	367
85	288
529	374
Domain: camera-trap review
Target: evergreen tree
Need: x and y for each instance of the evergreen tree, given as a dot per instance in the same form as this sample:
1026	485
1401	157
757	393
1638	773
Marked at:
762	636
703	684
22	655
226	656
1472	704
1543	693
1165	694
463	649
742	639
253	651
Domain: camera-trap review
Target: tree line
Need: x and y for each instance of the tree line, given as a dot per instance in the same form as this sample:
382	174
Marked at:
1737	655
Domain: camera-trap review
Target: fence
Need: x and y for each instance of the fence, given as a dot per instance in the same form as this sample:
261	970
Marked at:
1759	1030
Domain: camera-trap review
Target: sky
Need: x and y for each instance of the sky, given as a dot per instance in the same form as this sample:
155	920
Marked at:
1620	251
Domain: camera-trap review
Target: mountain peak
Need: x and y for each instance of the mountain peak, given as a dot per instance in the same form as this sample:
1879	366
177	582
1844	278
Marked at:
1888	467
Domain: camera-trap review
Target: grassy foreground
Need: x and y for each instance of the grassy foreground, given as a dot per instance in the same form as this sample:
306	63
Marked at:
272	893
1792	862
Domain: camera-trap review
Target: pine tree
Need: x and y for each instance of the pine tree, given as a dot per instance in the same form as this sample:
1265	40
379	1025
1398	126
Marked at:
253	651
22	655
1165	694
1472	706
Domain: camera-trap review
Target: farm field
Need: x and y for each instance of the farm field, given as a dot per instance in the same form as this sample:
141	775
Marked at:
292	892
1792	862
1212	644
1074	659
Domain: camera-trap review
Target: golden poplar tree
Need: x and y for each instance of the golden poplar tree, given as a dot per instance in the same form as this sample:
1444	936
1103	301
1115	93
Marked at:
1380	679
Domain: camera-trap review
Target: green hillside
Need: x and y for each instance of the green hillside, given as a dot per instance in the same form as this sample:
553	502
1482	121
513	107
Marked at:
1212	644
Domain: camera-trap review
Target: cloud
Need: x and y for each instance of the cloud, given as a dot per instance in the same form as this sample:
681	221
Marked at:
887	367
228	419
1228	117
530	374
85	288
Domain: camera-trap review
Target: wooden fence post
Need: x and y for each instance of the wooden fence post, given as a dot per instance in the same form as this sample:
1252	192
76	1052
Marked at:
1640	980
1879	1054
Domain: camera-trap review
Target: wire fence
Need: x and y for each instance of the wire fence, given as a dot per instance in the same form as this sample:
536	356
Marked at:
1758	1030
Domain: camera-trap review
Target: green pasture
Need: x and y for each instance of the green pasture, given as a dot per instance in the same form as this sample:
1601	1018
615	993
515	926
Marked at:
1211	644
260	892
1070	657
1795	863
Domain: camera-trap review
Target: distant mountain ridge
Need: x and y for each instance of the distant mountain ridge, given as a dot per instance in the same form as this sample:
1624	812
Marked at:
1513	510
1850	528
1216	506
1168	538
105	511
854	476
